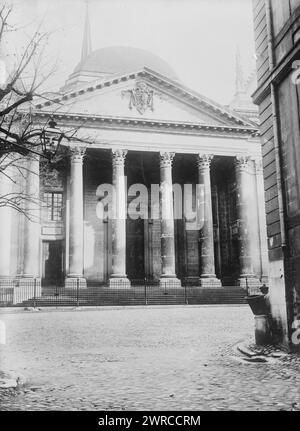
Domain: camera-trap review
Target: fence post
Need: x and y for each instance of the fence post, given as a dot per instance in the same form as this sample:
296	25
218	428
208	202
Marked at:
56	295
77	292
145	291
34	293
185	295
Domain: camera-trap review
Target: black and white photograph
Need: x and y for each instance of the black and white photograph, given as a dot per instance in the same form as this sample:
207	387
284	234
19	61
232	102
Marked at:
149	209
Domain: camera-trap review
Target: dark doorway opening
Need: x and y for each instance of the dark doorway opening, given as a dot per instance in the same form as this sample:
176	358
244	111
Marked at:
135	254
52	263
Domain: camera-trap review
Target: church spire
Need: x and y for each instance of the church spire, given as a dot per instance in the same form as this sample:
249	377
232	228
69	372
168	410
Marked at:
239	76
86	43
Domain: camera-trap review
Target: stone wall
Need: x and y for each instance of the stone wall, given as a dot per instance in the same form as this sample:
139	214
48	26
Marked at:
278	99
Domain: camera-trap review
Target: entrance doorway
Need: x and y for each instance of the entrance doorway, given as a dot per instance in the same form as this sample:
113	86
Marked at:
52	273
135	266
180	249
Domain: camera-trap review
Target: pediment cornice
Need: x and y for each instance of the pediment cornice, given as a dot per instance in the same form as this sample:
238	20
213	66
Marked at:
116	123
178	90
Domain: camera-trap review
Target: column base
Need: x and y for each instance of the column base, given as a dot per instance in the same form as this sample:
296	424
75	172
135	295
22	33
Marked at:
119	283
169	282
27	288
210	282
251	284
74	282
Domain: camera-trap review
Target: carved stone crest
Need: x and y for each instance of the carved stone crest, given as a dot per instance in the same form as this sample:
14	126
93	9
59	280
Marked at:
141	97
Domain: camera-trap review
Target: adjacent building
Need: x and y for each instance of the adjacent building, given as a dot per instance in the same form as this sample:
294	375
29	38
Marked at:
277	34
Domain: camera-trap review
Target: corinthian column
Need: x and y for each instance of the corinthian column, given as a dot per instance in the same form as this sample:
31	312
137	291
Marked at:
30	277
262	220
76	252
118	277
168	275
6	190
246	212
208	276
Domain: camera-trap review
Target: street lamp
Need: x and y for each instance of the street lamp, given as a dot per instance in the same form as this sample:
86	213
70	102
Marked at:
51	138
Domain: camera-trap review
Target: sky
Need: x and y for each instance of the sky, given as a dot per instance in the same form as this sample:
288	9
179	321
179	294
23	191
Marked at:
198	38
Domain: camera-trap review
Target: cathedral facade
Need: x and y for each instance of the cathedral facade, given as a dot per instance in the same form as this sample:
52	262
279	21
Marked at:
135	123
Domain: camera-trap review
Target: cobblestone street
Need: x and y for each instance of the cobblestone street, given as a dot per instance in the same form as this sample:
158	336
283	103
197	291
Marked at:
141	358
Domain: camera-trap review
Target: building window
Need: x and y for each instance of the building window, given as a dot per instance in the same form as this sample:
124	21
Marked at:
53	204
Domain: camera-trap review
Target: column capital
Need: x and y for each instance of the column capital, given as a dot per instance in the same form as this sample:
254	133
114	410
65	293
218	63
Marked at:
118	157
77	153
243	162
166	159
204	160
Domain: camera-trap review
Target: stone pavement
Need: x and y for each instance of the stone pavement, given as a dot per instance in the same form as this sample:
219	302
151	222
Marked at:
137	358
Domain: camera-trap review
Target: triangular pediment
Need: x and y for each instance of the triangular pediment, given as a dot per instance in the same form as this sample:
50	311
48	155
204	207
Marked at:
143	95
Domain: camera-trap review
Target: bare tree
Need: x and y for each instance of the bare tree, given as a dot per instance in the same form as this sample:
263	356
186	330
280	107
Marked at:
19	89
20	132
19	137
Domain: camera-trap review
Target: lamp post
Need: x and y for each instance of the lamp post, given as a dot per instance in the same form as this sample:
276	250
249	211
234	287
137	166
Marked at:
49	139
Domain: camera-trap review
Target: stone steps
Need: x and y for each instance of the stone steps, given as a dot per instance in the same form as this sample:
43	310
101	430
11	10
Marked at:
137	296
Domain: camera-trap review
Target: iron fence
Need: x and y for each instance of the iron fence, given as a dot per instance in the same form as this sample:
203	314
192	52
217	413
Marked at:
141	292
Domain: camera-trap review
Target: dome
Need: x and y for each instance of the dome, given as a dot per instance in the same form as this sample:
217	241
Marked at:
122	59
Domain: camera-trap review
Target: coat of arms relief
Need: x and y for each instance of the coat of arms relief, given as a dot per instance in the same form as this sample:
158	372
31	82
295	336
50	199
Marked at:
140	97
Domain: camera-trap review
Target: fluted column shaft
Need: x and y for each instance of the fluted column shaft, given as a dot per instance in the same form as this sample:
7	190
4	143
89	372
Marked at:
245	204
6	189
207	256
262	219
32	228
76	239
168	274
29	283
118	276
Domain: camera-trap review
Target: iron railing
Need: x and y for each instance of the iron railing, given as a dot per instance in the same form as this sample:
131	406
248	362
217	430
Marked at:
141	292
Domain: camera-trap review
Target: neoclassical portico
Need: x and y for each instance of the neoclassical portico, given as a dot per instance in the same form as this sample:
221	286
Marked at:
77	247
247	194
142	127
